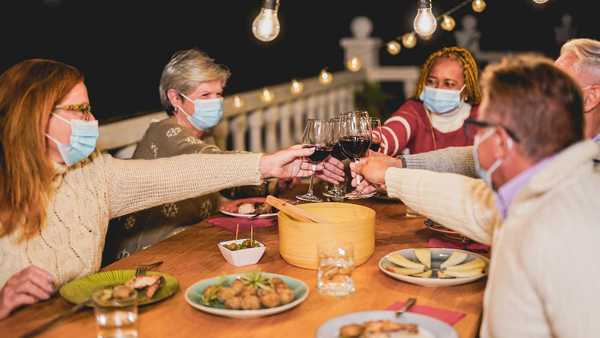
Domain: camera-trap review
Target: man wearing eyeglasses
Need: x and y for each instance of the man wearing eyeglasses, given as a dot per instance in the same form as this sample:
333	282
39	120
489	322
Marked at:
529	150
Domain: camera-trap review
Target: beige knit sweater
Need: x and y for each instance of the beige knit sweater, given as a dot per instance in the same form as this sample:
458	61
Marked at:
70	245
544	273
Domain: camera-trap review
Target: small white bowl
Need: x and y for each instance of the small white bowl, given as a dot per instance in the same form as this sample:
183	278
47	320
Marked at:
243	256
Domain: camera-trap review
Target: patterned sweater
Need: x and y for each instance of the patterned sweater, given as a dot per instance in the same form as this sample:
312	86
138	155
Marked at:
87	196
412	129
543	272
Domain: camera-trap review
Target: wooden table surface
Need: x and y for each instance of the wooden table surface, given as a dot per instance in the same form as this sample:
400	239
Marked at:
193	255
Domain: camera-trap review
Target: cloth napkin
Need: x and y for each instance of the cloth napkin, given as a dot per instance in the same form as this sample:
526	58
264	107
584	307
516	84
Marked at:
230	223
447	316
435	242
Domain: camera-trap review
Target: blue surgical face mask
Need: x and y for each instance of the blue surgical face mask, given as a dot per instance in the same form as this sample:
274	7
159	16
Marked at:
84	135
441	101
207	113
486	174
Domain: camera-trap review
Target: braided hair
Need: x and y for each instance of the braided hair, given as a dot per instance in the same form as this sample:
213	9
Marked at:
469	66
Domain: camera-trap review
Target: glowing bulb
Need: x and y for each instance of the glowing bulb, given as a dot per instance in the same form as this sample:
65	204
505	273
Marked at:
354	64
267	95
325	77
237	102
448	23
297	87
393	47
266	25
409	40
425	23
540	1
478	5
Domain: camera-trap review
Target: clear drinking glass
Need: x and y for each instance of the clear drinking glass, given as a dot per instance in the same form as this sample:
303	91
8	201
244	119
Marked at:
317	134
116	318
376	135
336	263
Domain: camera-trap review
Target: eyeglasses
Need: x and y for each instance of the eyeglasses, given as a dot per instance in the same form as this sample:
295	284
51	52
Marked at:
85	109
484	124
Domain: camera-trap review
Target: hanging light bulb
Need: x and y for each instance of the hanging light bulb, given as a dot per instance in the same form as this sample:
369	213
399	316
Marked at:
237	102
425	23
393	47
297	87
266	25
540	1
409	40
478	5
325	77
354	64
267	95
447	23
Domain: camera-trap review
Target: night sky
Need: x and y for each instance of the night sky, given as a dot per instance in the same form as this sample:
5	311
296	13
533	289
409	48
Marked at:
122	46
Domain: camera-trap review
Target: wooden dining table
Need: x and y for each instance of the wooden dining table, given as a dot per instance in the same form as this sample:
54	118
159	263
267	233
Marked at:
192	255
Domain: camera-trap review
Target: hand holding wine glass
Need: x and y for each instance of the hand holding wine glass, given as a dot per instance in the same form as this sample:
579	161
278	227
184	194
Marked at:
356	139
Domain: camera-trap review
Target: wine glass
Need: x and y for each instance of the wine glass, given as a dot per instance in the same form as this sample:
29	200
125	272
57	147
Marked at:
355	141
317	134
376	135
337	192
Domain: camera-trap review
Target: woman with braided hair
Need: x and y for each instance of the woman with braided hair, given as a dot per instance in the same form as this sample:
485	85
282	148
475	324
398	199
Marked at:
447	94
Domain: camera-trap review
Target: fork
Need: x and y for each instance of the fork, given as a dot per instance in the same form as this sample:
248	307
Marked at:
140	270
409	303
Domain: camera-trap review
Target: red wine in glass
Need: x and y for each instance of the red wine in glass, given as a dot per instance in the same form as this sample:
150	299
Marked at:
375	146
321	152
355	147
337	152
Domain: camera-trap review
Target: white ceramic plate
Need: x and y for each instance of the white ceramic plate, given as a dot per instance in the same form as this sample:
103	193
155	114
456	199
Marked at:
230	208
428	327
437	257
194	292
445	232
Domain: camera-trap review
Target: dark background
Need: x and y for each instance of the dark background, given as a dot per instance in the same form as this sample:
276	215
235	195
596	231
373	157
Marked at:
122	46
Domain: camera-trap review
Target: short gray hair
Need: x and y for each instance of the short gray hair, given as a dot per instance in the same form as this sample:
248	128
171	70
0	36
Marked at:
186	70
587	52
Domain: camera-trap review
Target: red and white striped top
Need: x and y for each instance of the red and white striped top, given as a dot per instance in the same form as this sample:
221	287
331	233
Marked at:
410	130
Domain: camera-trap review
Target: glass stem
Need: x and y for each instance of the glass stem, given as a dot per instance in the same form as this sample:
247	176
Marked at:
310	185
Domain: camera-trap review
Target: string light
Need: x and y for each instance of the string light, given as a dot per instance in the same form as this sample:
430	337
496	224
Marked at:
478	5
540	2
447	23
267	96
237	102
325	77
297	87
393	47
265	26
409	40
425	22
354	64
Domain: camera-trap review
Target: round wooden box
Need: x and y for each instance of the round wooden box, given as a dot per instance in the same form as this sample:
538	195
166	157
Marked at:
346	221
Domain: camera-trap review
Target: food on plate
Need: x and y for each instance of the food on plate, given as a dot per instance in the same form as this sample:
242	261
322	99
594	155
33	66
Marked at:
377	329
453	267
254	208
149	284
399	259
455	258
247	244
252	291
424	256
116	293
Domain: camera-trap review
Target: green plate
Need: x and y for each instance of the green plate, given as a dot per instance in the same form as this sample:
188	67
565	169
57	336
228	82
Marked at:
80	290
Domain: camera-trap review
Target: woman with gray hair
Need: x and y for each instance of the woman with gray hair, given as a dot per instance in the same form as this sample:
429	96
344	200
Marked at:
191	92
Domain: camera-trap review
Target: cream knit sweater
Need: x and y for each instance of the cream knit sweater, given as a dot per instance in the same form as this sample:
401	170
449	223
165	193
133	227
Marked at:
71	243
544	273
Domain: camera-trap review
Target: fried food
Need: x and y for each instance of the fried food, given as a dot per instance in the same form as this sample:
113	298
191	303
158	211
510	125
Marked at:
246	208
270	299
376	328
250	303
151	284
